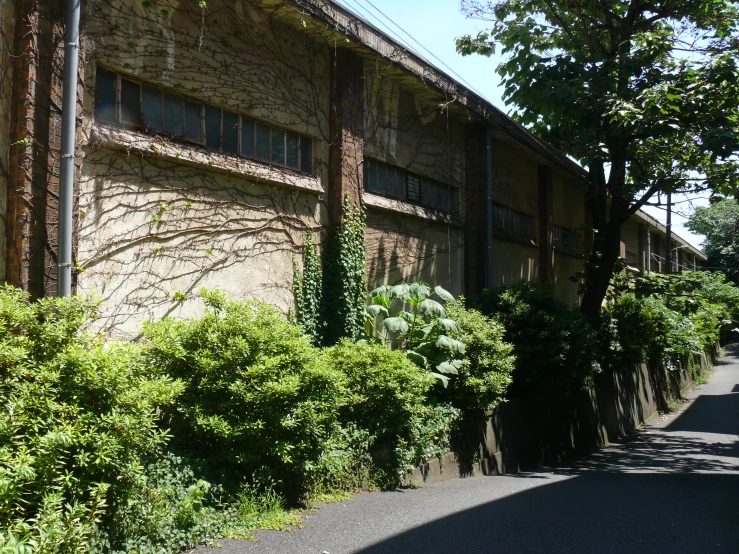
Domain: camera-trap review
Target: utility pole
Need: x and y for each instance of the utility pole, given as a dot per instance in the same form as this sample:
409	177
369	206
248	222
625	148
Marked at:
668	226
69	132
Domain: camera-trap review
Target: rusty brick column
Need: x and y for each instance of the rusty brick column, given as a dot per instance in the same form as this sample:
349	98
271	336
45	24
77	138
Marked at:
33	179
346	128
546	236
475	216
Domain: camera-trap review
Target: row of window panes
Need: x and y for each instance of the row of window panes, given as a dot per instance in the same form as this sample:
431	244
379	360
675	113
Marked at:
388	180
566	239
512	220
161	110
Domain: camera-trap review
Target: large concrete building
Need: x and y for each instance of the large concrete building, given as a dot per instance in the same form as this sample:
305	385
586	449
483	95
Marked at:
212	138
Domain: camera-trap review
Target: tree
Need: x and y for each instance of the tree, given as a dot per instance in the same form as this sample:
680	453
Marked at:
644	93
719	222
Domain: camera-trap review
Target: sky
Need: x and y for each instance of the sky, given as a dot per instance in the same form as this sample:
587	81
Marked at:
436	24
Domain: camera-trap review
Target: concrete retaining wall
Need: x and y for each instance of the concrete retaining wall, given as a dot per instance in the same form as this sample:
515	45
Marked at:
524	434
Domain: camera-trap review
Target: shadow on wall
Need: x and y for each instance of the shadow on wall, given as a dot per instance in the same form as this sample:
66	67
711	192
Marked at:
623	500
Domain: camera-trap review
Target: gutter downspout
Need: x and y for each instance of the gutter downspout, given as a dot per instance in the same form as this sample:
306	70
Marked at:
668	232
489	205
69	133
649	250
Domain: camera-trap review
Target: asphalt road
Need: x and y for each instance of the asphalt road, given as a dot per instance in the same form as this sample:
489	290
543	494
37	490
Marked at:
673	488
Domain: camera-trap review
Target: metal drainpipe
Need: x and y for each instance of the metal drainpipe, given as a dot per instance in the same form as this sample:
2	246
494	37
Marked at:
668	232
649	250
69	132
489	203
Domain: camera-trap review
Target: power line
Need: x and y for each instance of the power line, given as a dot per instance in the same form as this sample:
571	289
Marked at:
405	43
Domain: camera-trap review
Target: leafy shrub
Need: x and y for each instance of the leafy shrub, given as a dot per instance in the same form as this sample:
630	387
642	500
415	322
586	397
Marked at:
420	326
389	400
554	344
78	417
645	330
257	403
485	375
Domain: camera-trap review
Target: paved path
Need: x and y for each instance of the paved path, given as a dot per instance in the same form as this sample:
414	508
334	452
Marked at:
673	488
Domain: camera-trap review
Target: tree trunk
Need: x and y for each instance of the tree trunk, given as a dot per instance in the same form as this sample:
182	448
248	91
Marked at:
600	272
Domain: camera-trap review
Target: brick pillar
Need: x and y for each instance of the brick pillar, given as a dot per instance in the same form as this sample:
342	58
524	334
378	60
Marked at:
32	190
546	236
346	129
475	211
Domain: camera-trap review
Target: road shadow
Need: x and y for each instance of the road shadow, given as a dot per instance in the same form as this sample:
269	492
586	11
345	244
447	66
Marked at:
665	490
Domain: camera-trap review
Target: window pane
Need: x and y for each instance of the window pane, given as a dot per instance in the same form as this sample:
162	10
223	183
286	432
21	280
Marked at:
212	127
381	178
291	153
193	129
306	155
247	137
414	188
173	115
105	94
371	171
400	184
151	102
262	141
130	112
230	132
278	146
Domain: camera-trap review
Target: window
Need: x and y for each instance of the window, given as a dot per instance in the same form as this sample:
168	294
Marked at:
161	110
388	180
566	240
508	219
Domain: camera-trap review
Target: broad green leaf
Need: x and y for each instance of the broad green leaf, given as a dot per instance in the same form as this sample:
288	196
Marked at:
448	325
416	358
431	308
376	310
449	367
396	325
448	343
420	290
401	292
379	291
443	294
443	378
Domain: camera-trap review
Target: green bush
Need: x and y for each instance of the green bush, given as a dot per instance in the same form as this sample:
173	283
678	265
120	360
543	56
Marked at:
257	403
554	344
485	375
78	419
389	400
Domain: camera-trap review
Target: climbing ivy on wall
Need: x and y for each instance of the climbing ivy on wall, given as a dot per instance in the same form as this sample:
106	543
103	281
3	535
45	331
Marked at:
307	288
330	292
352	261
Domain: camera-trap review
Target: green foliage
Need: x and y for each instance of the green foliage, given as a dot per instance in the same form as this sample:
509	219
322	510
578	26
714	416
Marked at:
389	400
719	222
554	344
257	403
420	326
307	291
345	280
78	419
485	374
644	94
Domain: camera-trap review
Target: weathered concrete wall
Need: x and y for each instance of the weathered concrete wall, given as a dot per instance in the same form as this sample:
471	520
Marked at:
161	218
524	434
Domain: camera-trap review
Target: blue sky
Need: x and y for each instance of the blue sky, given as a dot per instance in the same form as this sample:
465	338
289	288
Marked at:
436	24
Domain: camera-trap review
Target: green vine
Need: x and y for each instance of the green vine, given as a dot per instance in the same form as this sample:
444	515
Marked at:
307	289
331	306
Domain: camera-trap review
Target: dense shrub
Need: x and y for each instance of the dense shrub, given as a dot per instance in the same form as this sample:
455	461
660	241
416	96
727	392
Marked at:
389	400
485	375
78	421
554	344
257	404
